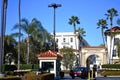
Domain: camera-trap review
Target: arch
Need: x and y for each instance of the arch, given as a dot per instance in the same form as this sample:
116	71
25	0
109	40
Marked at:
89	51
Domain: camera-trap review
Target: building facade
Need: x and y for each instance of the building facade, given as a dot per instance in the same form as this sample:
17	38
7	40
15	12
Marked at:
68	39
112	44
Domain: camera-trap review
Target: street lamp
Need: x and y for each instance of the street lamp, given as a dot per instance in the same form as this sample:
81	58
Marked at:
54	6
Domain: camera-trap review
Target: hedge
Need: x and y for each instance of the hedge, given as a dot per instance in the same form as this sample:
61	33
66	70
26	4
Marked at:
11	78
47	76
117	66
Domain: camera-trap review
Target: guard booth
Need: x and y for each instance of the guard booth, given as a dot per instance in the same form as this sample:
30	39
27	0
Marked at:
50	61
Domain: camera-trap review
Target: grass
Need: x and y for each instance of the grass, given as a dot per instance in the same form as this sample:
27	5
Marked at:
111	73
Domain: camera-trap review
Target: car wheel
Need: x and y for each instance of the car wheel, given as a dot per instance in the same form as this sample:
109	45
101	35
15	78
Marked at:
73	77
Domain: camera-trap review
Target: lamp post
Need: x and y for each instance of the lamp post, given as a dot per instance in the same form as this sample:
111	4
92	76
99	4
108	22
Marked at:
2	32
54	6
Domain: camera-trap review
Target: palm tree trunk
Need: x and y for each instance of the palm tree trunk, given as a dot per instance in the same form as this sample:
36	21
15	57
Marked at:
19	15
28	50
1	36
75	35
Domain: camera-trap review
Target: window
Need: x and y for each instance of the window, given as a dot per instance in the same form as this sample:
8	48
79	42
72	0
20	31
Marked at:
57	40
48	66
116	40
63	39
71	46
114	53
71	39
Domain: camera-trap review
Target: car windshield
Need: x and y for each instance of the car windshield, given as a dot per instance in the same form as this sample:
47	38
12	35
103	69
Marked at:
78	69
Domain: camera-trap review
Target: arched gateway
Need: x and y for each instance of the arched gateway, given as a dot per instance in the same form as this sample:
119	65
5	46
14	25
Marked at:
93	51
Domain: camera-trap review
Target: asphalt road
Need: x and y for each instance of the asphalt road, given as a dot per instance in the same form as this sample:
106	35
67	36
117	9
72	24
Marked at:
67	77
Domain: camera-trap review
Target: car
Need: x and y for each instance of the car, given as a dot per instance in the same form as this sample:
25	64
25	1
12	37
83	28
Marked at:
76	72
85	71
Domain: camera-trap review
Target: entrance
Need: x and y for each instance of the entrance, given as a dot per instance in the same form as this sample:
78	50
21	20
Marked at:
93	55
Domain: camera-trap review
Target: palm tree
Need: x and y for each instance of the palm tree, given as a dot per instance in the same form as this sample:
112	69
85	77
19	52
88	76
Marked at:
111	13
34	30
118	21
10	44
103	25
81	34
28	28
73	21
19	17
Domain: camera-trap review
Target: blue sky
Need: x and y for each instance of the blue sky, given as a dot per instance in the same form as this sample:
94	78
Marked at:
88	11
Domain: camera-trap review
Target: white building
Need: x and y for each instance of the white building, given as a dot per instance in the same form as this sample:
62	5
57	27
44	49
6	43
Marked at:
112	38
68	39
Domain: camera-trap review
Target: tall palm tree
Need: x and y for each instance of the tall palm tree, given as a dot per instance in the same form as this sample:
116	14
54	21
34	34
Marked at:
103	25
81	34
118	21
30	29
34	30
73	21
111	13
19	17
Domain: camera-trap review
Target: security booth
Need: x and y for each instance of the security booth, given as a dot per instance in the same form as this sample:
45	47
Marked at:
50	61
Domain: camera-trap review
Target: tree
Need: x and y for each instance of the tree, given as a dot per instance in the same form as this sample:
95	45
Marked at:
29	29
68	57
118	21
103	25
81	34
111	13
10	47
19	17
73	21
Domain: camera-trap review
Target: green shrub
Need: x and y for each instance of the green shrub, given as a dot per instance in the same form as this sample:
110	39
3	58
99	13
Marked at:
117	66
47	76
10	67
110	73
11	78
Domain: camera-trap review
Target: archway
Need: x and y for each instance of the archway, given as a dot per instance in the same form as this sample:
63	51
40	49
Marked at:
88	52
93	60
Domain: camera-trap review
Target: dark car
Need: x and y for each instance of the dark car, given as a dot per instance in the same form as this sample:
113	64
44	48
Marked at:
76	72
85	71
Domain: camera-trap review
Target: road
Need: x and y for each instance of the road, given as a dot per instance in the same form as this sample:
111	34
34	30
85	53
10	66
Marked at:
67	77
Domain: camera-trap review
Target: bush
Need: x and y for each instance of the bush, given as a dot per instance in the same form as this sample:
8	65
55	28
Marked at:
11	78
10	67
110	73
47	76
117	66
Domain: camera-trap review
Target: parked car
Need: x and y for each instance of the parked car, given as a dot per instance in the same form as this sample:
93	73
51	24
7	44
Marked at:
76	72
85	71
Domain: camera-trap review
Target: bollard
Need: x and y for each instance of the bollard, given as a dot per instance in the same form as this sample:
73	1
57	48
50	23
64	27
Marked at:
92	74
88	75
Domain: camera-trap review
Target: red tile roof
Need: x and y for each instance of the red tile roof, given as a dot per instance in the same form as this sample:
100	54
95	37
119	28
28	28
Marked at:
115	28
49	54
94	47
